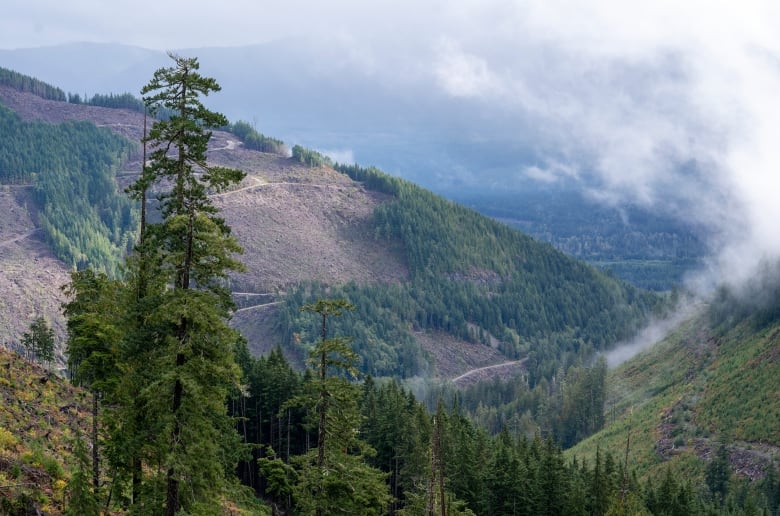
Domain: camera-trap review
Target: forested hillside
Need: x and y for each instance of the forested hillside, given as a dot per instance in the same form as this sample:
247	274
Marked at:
71	168
481	281
649	249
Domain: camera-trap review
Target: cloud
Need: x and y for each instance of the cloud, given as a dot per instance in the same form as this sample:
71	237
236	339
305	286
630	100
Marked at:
651	334
342	156
462	74
553	172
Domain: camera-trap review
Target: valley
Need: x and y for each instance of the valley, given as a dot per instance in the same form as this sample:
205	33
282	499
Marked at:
452	313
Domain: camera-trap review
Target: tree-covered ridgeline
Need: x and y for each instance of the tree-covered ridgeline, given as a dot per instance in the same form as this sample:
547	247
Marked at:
310	157
72	167
252	139
29	84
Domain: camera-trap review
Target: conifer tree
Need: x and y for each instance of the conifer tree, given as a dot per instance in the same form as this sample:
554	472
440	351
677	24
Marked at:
189	253
39	340
337	479
94	333
82	499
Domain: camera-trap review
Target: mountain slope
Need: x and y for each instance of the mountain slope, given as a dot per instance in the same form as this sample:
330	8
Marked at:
713	380
411	261
30	273
41	415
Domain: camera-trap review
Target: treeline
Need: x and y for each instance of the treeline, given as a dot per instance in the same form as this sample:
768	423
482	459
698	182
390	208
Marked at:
72	167
29	84
423	453
310	157
121	101
252	139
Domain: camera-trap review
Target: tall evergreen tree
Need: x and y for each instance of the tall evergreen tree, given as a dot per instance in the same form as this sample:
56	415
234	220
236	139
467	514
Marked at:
94	333
337	479
190	252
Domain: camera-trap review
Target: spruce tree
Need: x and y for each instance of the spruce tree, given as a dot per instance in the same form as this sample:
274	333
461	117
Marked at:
39	340
335	477
185	259
94	332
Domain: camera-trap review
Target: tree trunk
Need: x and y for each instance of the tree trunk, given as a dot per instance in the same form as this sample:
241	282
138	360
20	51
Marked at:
95	451
173	484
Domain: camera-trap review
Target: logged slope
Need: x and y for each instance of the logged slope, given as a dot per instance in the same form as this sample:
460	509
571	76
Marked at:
421	270
713	380
30	274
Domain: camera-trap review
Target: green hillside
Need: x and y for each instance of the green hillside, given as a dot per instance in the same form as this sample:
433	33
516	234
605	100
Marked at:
71	167
712	383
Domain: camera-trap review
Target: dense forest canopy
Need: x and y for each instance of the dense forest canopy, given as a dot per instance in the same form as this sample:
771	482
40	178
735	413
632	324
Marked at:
72	167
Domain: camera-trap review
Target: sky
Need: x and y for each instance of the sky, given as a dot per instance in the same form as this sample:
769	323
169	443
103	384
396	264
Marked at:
671	105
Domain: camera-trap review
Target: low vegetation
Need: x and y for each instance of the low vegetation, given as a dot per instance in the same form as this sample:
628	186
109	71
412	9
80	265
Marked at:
707	386
41	417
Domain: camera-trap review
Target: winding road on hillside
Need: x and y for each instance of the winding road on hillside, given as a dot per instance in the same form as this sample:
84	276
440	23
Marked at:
490	368
259	183
255	307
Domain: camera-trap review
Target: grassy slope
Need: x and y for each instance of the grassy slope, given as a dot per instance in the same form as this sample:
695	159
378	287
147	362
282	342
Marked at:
40	414
699	385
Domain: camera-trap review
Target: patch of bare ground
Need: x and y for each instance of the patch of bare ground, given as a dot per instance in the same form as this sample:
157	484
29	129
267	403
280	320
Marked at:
300	224
30	275
452	357
32	108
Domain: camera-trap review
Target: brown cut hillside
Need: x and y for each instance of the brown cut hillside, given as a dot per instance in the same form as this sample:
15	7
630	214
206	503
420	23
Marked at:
30	274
